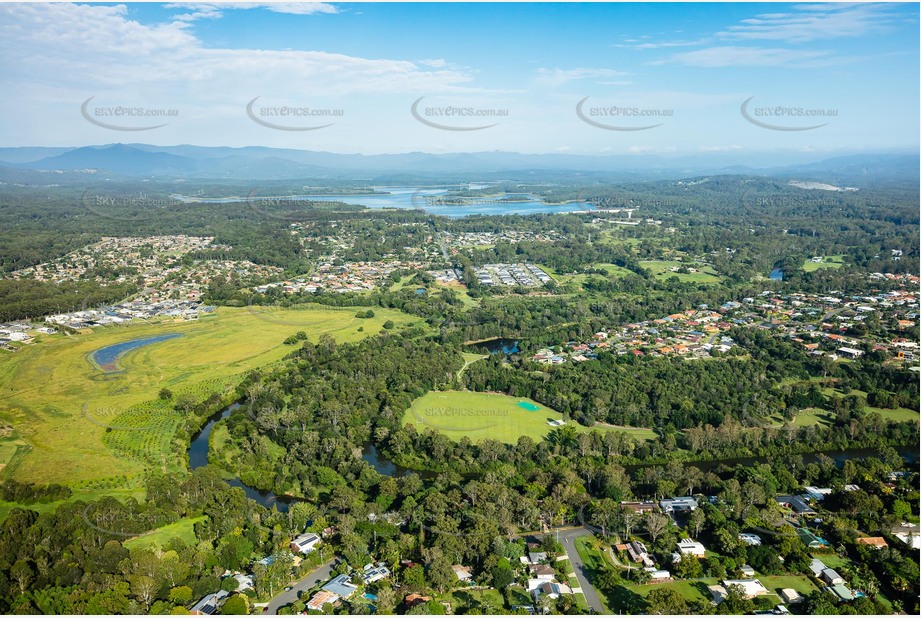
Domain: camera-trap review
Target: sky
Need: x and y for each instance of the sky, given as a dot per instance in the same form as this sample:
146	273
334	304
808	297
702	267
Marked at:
668	78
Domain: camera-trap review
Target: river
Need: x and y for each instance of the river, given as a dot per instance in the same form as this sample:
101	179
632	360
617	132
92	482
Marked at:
198	457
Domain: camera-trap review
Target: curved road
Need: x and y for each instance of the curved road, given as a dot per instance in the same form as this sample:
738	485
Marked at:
286	597
567	539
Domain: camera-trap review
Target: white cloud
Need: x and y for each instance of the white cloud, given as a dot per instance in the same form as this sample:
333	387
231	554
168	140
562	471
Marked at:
558	77
94	48
810	22
214	10
736	56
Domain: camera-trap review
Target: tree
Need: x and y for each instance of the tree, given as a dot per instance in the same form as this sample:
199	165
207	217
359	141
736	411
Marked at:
502	574
441	576
180	595
666	601
655	524
414	578
235	606
22	573
696	521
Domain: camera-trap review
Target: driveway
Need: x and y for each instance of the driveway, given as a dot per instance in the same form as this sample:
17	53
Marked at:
567	539
286	597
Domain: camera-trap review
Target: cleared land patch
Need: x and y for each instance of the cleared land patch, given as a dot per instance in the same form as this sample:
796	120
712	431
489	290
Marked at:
490	415
74	424
661	270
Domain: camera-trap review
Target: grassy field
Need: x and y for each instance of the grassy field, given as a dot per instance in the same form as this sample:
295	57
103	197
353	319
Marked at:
829	261
612	270
59	405
776	583
806	418
660	269
690	590
183	529
490	415
895	415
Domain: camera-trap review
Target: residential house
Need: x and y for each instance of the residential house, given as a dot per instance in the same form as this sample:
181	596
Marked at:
689	547
831	577
321	598
796	503
342	586
209	604
750	539
465	574
674	505
412	600
542	571
305	543
552	590
841	592
873	541
373	573
750	587
537	556
817	566
640	507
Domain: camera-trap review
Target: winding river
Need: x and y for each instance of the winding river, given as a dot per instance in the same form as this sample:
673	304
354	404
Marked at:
198	457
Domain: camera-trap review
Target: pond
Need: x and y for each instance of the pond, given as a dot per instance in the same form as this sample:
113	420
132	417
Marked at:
107	358
497	345
776	275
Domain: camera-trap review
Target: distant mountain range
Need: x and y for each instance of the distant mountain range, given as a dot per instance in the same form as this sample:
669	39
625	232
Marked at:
262	163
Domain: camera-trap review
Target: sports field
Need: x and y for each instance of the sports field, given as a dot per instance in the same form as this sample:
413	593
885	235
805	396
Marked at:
66	421
492	415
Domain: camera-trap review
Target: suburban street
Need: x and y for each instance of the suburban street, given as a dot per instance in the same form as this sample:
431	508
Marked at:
286	597
567	539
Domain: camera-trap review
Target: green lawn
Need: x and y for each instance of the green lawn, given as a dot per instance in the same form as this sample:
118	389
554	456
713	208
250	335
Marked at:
690	590
806	418
87	495
60	405
487	601
184	529
896	415
832	560
829	261
489	415
775	583
660	269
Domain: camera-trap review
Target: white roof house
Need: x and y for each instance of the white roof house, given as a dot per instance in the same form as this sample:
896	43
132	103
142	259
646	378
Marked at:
305	543
750	587
670	505
693	548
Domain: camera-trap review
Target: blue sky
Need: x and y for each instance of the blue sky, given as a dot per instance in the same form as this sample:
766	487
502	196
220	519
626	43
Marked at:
668	79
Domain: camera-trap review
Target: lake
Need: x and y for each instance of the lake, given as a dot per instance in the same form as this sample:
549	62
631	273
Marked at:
497	345
107	358
414	198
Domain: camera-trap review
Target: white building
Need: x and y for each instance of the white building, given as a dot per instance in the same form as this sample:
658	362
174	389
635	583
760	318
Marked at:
305	543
